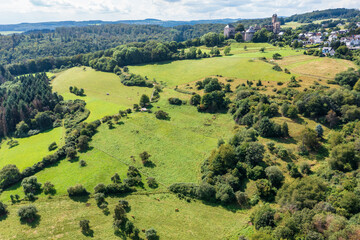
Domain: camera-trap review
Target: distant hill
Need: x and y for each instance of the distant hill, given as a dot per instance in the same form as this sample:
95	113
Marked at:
324	14
52	25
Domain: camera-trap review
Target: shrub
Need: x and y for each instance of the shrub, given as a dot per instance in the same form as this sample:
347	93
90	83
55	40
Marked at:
263	217
83	143
77	190
28	213
30	185
85	226
151	234
175	101
305	168
82	163
276	56
8	175
344	157
152	182
52	146
162	115
3	209
144	101
277	68
116	178
71	153
195	100
100	188
49	188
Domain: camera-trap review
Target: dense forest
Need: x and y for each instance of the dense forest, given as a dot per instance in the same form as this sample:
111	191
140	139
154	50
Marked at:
324	14
71	41
26	104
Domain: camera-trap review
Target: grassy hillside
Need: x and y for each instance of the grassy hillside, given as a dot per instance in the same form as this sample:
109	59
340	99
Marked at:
177	146
238	65
105	94
30	150
61	216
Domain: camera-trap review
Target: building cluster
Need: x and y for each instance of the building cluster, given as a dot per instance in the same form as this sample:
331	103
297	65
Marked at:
248	34
311	38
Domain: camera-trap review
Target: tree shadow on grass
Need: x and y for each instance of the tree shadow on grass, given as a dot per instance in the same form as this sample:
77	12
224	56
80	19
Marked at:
74	160
89	233
34	223
150	164
284	140
4	217
83	199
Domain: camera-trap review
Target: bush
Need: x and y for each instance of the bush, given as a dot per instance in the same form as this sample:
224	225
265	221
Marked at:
263	217
82	163
9	174
151	234
28	213
277	68
162	115
175	101
52	146
49	188
195	100
77	190
85	226
276	56
30	185
152	182
305	168
3	209
100	188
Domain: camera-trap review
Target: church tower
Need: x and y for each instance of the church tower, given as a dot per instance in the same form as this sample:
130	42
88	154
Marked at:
274	19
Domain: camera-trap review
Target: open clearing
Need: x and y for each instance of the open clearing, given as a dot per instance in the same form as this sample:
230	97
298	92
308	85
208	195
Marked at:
239	65
30	150
105	94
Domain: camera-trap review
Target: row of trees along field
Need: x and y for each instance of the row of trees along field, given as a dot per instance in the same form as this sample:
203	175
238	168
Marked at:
132	53
70	41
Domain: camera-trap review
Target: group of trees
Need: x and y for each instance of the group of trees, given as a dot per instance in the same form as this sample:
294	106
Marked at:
27	103
71	41
254	109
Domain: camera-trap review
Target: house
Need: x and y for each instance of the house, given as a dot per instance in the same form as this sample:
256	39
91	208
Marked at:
328	51
249	34
229	31
332	38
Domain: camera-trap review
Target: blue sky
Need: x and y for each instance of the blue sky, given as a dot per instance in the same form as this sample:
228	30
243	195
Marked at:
16	11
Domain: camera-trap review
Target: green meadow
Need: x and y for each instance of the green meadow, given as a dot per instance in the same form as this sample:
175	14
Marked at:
177	146
105	94
60	218
241	64
30	150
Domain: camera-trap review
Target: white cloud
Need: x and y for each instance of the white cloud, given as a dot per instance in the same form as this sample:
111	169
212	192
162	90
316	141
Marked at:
14	11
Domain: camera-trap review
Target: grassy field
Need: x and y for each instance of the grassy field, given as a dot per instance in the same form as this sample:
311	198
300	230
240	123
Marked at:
294	25
30	150
60	219
240	64
177	146
105	94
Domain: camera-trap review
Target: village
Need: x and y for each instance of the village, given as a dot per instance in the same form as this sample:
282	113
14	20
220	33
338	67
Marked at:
323	39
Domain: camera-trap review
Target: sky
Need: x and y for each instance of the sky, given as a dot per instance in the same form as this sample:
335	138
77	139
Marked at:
17	11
